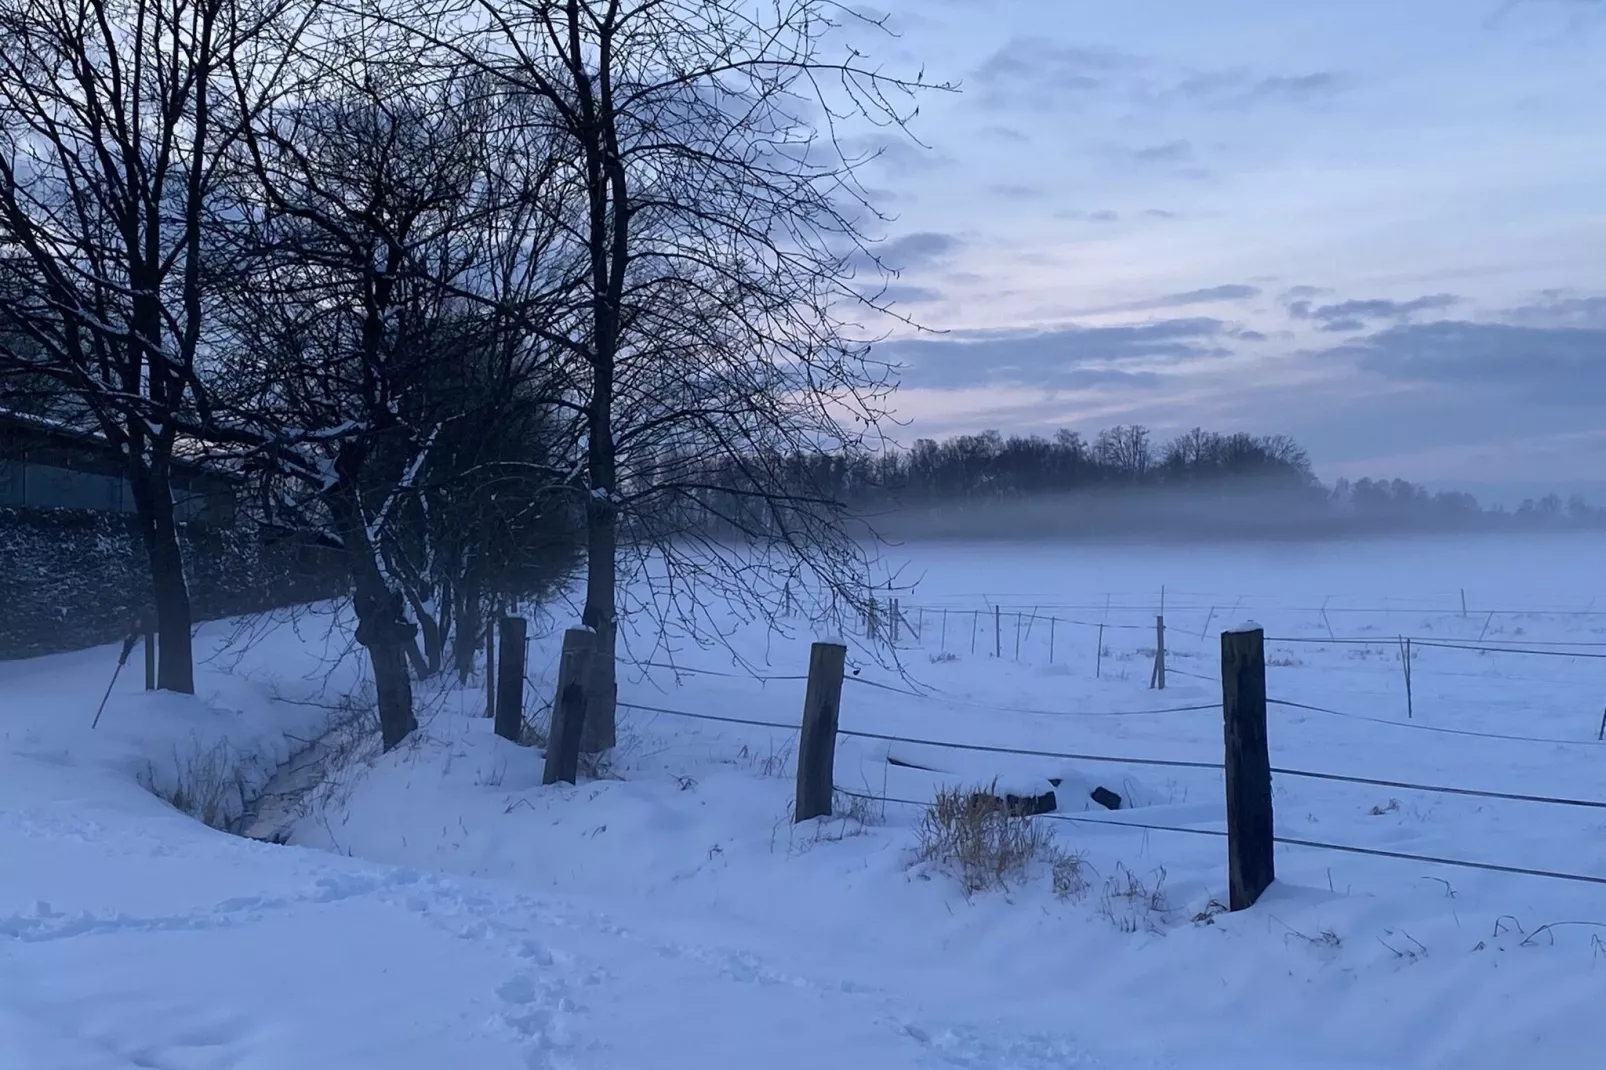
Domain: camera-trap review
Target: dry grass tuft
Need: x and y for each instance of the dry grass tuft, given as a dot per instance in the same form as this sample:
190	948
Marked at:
972	835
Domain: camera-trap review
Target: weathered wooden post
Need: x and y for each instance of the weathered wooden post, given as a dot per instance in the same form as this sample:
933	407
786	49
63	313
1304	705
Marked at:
569	703
1251	839
1051	640
510	679
869	620
1159	652
998	632
816	753
150	654
490	668
1098	656
1405	660
893	610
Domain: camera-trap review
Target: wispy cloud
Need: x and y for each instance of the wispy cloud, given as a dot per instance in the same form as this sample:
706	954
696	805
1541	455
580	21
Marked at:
1345	316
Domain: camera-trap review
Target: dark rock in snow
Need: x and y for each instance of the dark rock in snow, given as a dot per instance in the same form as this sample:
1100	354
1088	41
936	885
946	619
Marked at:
1106	798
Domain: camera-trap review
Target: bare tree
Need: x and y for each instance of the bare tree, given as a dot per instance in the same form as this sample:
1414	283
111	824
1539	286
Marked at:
364	218
111	127
719	228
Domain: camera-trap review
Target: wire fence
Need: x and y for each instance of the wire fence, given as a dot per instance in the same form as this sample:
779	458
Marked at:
1113	821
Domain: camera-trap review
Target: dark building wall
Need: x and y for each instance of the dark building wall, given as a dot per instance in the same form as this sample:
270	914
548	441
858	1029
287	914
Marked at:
48	467
75	578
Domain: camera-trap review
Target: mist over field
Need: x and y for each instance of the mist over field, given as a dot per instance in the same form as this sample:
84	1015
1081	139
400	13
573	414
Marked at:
1185	514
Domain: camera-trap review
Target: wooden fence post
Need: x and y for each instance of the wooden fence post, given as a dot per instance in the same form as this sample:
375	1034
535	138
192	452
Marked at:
1098	655
1410	701
150	655
1157	678
1251	838
490	668
510	679
998	632
816	753
869	620
569	703
892	618
1051	640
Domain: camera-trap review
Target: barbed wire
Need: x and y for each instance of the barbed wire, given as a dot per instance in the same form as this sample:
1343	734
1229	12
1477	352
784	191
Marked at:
706	716
1287	841
985	748
1418	727
994	708
1393	641
688	670
1477	793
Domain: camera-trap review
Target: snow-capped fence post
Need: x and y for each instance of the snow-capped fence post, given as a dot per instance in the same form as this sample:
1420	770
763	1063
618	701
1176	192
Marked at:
510	679
569	707
1157	677
816	752
490	668
1250	836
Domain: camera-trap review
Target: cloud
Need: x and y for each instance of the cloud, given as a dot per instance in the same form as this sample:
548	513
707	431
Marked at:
1078	215
1000	132
1345	316
1017	191
895	154
1179	151
902	293
1041	73
1159	213
1176	157
1208	295
1044	74
1298	293
1066	358
1241	88
909	252
1556	365
1555	309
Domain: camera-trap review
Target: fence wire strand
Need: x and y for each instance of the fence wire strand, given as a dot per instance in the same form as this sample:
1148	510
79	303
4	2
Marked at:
1434	728
1287	841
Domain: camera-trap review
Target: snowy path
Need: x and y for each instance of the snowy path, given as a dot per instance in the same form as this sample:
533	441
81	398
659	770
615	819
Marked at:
262	956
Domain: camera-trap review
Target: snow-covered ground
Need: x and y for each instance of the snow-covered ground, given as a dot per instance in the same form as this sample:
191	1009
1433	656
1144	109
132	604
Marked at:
439	908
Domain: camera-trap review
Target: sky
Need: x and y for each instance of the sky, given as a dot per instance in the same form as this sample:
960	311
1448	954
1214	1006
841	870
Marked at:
1378	226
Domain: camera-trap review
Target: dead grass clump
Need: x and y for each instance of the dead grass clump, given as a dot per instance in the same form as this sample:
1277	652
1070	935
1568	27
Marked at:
971	834
1131	904
211	784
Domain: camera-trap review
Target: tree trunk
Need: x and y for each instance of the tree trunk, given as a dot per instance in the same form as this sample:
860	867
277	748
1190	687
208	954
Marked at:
382	625
395	692
466	639
170	592
601	731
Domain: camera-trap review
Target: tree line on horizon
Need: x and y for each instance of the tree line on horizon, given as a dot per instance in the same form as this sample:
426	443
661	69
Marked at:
1113	467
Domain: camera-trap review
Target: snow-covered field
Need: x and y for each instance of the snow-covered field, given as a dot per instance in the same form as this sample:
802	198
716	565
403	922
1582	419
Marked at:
437	907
